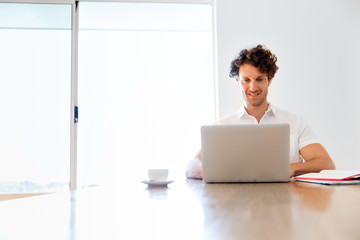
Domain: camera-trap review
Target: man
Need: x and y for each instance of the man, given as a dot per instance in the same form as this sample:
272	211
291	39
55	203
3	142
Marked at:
254	70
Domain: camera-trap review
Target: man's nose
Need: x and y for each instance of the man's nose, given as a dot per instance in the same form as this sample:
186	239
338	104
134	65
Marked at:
252	86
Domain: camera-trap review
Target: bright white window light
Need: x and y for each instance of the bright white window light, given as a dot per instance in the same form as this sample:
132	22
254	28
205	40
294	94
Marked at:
146	86
35	80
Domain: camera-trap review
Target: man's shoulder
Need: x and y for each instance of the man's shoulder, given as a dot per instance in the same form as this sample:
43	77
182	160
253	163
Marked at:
232	118
295	119
282	113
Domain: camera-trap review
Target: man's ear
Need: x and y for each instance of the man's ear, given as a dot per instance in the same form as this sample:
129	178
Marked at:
270	81
237	80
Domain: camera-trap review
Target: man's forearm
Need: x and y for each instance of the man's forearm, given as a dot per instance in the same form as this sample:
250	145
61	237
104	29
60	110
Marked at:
315	165
316	159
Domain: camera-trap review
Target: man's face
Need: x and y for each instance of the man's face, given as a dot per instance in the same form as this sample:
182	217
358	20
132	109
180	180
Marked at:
254	85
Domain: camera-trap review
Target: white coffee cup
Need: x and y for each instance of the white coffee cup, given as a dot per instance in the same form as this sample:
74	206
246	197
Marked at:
158	174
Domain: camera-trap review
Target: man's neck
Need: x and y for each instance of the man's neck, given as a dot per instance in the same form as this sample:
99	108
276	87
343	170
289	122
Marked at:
257	111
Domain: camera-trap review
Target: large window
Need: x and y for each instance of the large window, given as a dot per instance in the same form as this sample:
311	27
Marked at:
35	77
146	86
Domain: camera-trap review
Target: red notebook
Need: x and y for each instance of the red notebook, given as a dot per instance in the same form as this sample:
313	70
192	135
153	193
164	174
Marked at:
331	177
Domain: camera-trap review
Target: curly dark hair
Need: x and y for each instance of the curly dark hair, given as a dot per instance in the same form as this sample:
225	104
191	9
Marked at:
259	56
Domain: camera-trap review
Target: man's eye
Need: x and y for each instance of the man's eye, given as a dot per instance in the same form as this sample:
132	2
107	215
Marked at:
246	80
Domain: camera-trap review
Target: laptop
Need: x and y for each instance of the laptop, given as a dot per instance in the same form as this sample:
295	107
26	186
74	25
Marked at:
245	153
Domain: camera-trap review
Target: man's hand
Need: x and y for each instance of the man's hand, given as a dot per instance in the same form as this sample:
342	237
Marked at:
194	169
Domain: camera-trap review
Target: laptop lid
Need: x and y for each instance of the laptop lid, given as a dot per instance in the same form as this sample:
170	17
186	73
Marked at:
245	153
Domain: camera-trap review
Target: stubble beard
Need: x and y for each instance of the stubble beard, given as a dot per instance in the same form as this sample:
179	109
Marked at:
258	102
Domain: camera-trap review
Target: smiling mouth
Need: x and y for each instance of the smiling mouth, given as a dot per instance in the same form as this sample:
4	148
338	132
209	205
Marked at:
254	94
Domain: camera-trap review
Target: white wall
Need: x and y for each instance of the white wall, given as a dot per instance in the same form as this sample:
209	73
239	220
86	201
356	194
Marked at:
317	43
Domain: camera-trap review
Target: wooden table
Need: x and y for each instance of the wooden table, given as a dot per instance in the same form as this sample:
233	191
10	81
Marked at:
187	209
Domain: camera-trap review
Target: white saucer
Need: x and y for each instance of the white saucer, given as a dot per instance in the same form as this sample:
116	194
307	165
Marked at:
157	183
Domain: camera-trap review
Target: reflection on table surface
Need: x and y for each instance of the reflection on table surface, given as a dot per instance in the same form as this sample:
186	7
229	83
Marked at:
187	209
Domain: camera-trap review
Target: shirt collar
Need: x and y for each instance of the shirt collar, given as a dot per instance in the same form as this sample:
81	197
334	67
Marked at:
271	110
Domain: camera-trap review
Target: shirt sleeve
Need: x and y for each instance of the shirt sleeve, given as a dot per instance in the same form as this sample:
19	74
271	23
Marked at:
306	134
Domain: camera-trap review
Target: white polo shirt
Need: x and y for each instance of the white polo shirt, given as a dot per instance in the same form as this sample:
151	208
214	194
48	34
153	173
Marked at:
301	133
